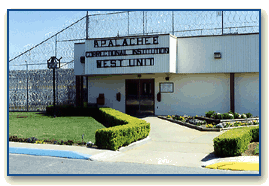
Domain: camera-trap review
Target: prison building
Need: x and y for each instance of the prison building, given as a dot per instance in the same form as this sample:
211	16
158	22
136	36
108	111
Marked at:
165	75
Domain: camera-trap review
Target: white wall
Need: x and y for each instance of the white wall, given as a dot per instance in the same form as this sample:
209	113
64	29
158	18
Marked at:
240	53
109	86
194	94
247	93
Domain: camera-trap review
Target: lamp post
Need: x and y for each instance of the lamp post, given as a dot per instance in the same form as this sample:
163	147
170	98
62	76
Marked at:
53	63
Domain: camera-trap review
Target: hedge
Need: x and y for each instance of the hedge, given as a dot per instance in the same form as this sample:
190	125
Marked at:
234	142
125	129
71	110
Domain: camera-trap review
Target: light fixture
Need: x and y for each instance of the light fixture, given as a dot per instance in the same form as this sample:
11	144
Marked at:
82	59
217	55
167	78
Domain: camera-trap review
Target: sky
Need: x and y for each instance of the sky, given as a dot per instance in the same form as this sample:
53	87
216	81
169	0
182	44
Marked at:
27	27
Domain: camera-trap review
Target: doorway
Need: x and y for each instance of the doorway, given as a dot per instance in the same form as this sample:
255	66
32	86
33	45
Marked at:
139	96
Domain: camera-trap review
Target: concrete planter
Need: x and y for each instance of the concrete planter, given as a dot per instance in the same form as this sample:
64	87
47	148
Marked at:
210	120
203	128
191	125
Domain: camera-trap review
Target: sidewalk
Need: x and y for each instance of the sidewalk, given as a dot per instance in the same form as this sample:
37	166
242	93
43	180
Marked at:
171	144
168	144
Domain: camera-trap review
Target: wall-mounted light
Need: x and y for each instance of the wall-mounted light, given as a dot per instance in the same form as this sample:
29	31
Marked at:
217	55
139	75
82	59
167	78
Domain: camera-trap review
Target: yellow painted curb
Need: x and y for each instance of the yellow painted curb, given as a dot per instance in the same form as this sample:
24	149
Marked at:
237	166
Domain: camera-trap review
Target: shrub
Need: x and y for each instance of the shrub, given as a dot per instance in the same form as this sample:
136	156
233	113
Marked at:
234	142
126	129
237	116
209	113
243	116
228	116
218	116
71	110
249	115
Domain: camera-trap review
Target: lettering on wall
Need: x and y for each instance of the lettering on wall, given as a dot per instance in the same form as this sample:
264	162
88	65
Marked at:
122	42
125	62
143	51
126	41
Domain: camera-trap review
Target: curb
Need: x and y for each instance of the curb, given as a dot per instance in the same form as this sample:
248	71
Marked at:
135	144
111	154
246	163
48	152
75	155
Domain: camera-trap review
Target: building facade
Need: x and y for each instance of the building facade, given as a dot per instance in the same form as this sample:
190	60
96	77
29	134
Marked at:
166	75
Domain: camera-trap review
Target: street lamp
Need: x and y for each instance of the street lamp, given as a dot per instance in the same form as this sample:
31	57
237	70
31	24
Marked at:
54	63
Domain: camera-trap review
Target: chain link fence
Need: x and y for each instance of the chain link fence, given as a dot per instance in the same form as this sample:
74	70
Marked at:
30	82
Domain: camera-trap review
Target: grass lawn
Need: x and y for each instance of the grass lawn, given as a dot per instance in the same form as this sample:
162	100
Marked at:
33	124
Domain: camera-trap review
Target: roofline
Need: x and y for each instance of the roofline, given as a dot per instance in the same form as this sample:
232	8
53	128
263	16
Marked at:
232	34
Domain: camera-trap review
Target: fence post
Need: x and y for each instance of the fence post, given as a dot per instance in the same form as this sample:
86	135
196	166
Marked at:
221	22
173	32
26	86
128	22
87	26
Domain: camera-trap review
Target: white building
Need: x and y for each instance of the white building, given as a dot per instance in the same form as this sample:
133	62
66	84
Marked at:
163	74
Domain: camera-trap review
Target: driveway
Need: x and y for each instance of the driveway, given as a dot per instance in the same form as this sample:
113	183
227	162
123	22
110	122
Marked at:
171	144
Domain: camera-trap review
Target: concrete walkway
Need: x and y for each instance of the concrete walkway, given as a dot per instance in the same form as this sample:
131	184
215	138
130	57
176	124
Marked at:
170	144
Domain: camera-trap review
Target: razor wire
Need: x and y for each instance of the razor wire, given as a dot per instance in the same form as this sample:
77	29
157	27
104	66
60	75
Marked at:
30	82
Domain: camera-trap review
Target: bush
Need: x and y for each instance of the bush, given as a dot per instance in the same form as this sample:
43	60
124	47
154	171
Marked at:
70	110
243	116
234	142
228	116
126	129
218	116
237	116
209	113
249	115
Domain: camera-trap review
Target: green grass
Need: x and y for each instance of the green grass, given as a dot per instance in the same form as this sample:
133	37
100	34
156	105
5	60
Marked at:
257	150
49	128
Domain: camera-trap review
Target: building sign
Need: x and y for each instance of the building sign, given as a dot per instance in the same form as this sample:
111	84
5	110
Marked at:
135	52
167	87
153	40
144	51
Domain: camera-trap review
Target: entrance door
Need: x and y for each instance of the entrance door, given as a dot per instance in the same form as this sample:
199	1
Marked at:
140	96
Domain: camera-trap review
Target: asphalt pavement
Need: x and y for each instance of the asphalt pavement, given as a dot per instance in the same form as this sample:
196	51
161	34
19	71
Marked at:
43	165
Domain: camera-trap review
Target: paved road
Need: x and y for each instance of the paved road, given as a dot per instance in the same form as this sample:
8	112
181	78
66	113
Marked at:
28	164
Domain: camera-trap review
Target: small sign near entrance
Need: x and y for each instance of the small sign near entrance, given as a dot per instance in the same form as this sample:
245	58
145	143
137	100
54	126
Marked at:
167	87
